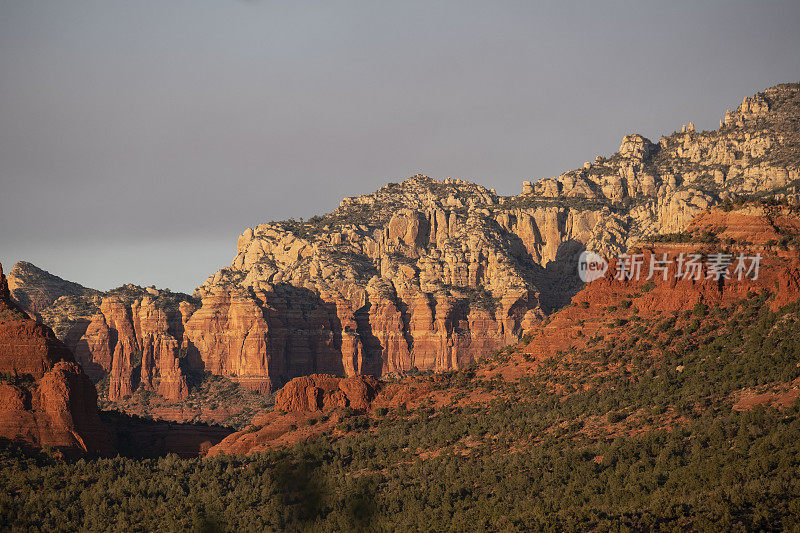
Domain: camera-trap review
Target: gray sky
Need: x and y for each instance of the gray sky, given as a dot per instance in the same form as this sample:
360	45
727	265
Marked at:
138	139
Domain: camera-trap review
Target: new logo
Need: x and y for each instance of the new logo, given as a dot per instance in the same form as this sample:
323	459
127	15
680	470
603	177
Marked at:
591	266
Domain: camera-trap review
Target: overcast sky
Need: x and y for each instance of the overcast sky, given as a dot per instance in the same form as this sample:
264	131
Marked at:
138	139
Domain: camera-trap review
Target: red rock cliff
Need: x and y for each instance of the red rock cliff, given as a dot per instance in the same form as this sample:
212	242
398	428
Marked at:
134	336
59	407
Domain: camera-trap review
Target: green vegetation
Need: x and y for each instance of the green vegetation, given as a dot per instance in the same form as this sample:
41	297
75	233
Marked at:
730	471
682	236
636	432
208	393
18	380
577	203
703	237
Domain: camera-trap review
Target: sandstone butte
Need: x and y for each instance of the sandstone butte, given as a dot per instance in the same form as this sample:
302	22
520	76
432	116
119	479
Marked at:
309	406
45	397
422	274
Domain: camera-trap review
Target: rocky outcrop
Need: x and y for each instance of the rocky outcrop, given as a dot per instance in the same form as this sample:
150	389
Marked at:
45	398
146	335
93	346
34	289
322	392
751	223
68	399
132	334
662	186
60	412
229	335
25	346
275	430
126	347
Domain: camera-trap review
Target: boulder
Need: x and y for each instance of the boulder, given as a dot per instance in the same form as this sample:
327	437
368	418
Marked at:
324	392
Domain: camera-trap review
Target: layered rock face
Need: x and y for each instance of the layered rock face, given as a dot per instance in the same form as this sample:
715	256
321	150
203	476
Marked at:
262	339
425	273
132	334
45	397
138	343
428	280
